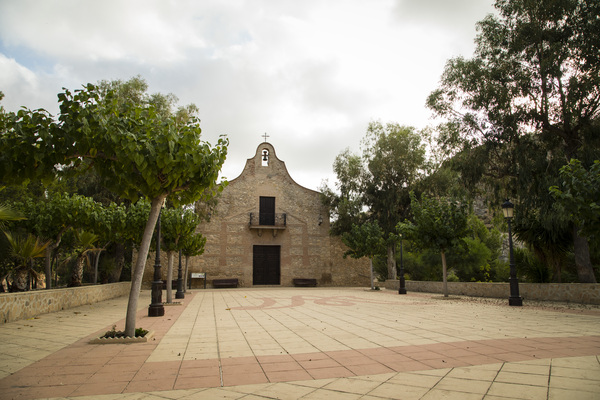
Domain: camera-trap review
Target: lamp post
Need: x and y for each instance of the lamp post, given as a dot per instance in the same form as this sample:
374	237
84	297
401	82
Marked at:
156	308
514	299
180	294
402	283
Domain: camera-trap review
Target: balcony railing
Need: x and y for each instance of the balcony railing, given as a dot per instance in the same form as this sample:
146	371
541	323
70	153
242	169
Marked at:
268	220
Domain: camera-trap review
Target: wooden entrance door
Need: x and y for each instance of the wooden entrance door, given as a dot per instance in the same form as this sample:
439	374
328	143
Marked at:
266	268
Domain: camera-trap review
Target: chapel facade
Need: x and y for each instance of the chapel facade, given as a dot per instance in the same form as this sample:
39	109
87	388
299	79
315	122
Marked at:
268	230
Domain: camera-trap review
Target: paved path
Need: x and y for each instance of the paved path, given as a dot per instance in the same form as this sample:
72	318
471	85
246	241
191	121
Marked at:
313	343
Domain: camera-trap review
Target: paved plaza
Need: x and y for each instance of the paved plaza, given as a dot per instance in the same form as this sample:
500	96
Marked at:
313	343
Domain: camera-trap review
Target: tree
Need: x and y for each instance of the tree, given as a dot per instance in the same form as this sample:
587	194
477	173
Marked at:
85	246
177	224
24	250
137	152
579	196
438	224
192	246
376	187
364	240
527	102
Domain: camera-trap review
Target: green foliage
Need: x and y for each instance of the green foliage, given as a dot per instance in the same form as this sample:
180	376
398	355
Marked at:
528	99
375	187
438	224
364	240
578	196
177	225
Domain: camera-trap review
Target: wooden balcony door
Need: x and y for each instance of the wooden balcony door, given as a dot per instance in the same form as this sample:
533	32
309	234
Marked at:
267	211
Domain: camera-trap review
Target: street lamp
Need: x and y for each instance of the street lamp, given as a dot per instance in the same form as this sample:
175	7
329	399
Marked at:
180	294
156	308
514	299
402	284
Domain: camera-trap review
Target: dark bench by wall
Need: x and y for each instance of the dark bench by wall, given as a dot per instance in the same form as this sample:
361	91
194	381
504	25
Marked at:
304	282
225	283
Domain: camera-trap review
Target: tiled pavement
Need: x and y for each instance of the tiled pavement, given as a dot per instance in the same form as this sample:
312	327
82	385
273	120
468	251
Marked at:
311	343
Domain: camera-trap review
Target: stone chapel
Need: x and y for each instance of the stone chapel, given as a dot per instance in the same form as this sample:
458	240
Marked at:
268	230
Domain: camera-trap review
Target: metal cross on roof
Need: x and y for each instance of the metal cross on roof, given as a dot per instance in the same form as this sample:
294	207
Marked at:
266	136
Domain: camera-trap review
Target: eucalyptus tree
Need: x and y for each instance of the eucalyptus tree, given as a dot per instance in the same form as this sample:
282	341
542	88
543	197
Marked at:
438	223
365	240
527	102
376	185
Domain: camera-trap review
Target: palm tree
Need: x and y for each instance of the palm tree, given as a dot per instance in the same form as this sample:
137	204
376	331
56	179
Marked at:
24	250
85	246
8	214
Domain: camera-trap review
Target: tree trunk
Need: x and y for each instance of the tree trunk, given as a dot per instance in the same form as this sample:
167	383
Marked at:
372	279
48	259
170	277
115	275
581	248
185	276
391	260
445	274
140	263
77	274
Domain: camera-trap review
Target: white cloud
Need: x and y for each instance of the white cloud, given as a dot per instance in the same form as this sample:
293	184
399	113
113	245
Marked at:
311	74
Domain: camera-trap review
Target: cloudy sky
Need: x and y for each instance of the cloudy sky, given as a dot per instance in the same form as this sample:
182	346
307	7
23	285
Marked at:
311	74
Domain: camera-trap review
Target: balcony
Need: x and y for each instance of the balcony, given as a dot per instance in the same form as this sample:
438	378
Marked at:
273	221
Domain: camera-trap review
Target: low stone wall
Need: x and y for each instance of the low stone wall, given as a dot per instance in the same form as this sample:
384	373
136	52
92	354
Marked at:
23	305
582	293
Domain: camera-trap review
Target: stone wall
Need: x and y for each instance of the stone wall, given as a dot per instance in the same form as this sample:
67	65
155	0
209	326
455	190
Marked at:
24	305
583	293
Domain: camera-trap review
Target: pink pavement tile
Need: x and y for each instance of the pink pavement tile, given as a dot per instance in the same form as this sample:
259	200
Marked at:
343	354
444	363
197	382
368	369
408	366
151	385
119	368
198	372
406	350
96	389
281	366
512	357
479	359
438	347
323	363
310	356
455	353
211	363
70	379
390	358
379	351
329	372
139	360
238	361
274	359
359	360
244	379
288	376
39	392
425	355
112	376
242	369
